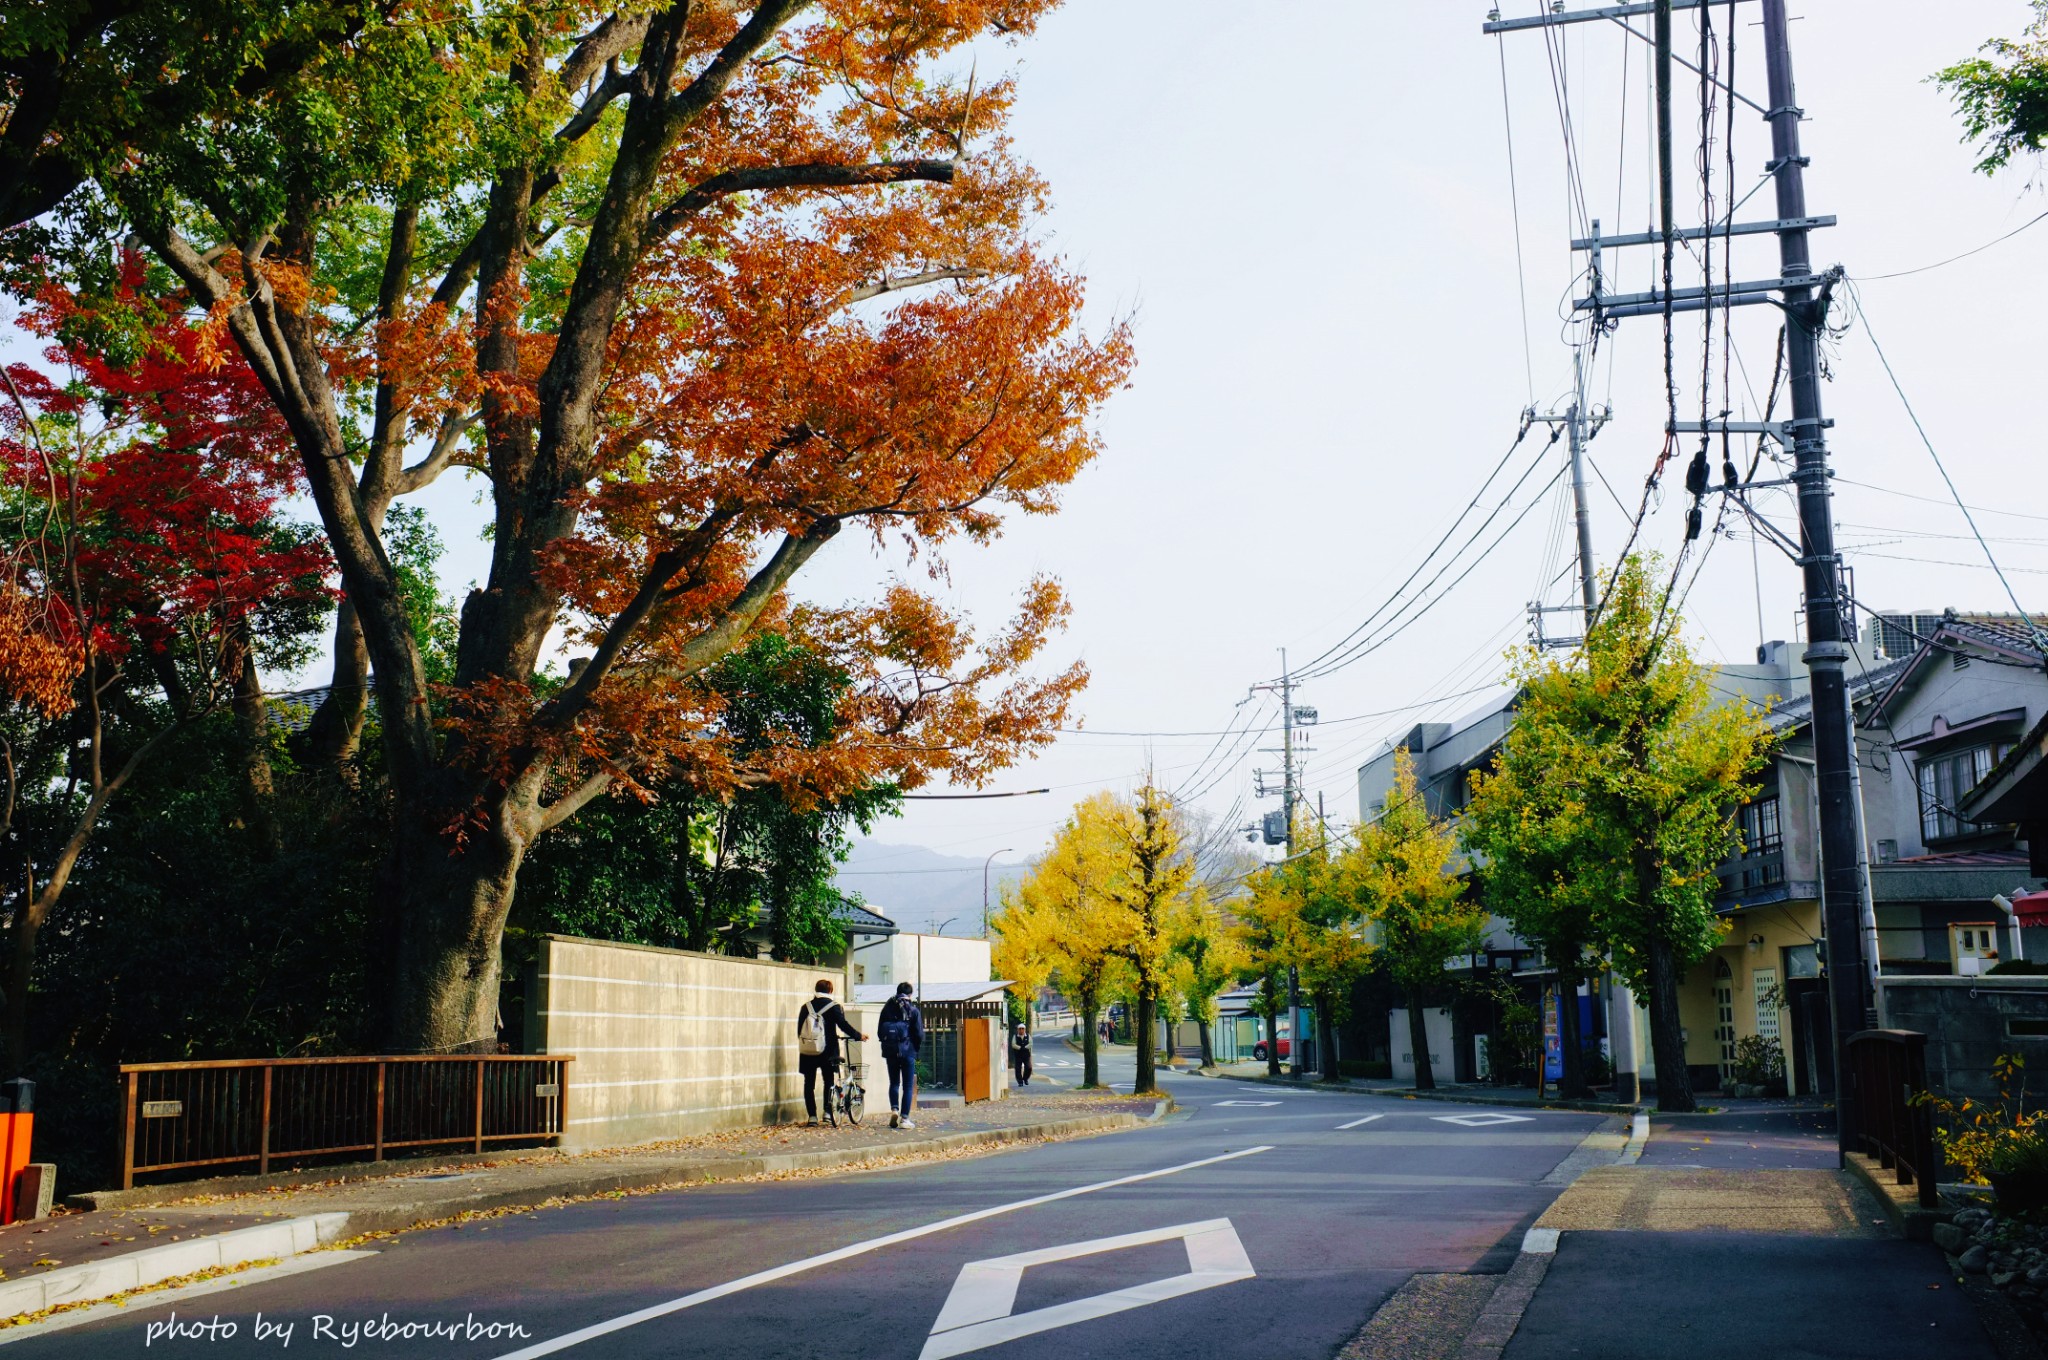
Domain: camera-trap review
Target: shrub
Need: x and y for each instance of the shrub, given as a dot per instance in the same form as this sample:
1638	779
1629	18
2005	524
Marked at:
1759	1061
1978	1138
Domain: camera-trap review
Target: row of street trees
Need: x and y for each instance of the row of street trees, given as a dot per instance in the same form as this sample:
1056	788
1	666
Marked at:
1596	835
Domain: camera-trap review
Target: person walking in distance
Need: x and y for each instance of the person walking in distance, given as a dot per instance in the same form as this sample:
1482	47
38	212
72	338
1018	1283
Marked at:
1020	1055
901	1030
819	1024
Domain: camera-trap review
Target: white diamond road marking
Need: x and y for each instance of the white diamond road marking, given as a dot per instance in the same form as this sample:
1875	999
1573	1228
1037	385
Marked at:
1480	1121
977	1313
1253	1104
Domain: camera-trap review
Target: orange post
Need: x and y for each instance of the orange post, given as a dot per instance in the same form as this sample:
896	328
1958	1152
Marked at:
17	1126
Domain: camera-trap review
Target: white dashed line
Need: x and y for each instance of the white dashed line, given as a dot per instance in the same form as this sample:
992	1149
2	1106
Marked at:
1356	1122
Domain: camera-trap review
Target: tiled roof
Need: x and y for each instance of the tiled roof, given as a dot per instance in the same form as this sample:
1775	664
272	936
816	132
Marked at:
2009	637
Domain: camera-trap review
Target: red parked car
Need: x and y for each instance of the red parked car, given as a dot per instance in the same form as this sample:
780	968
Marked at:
1259	1049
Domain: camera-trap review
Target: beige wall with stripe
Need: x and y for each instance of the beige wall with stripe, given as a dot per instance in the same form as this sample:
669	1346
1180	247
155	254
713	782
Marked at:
670	1043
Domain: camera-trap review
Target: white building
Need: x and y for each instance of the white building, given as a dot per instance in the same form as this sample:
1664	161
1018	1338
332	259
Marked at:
884	961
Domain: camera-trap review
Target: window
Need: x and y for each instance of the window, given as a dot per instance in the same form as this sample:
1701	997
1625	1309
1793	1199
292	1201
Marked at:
1943	780
1760	834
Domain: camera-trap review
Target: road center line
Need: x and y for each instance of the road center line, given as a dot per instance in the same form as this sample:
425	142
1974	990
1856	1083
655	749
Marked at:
783	1272
1356	1122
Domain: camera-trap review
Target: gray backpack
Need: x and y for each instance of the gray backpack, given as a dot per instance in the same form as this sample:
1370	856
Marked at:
812	1029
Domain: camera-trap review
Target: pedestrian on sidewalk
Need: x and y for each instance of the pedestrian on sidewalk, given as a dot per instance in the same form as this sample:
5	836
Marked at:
901	1030
819	1024
1020	1055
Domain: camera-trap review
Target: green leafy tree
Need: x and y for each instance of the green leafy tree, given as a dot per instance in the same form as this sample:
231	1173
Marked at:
2003	95
1537	856
1153	889
1646	768
688	869
1416	896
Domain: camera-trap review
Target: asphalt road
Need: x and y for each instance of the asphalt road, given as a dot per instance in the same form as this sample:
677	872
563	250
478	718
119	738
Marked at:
1253	1224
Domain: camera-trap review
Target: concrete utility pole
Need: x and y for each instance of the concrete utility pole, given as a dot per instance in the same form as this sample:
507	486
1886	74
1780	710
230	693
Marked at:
1287	810
1834	751
1804	297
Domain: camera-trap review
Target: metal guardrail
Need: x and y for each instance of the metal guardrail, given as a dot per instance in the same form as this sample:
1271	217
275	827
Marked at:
180	1115
1887	1074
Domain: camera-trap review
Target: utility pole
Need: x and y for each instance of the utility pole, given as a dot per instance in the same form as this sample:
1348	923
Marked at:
1289	795
1804	297
1287	808
1834	751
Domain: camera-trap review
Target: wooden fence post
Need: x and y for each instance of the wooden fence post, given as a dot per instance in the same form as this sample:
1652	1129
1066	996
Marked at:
380	1110
263	1146
128	1132
479	1104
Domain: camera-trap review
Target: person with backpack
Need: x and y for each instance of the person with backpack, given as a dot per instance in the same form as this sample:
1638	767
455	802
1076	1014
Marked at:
819	1024
901	1030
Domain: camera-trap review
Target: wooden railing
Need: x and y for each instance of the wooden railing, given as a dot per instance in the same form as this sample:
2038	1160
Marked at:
1880	1100
258	1111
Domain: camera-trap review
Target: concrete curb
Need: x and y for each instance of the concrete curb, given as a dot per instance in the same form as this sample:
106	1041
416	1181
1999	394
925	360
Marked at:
1448	1097
289	1237
133	1270
1901	1203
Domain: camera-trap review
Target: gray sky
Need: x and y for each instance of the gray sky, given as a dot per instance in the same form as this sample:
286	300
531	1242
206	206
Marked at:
1308	208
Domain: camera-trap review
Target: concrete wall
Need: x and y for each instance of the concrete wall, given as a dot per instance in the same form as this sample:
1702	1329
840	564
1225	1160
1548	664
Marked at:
669	1043
1969	1022
1437	1024
931	958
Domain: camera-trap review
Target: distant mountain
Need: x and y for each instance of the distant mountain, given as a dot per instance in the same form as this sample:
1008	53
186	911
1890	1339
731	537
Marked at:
919	889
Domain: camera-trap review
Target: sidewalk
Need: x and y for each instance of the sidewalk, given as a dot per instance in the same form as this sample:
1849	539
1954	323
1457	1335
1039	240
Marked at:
1734	1234
66	1259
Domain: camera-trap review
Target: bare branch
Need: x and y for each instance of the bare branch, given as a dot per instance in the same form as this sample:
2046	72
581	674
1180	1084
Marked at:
876	289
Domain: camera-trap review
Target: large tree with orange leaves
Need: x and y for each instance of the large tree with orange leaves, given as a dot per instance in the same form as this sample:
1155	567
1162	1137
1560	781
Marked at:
694	287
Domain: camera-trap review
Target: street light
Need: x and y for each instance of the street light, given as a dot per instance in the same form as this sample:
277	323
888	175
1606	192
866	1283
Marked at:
984	887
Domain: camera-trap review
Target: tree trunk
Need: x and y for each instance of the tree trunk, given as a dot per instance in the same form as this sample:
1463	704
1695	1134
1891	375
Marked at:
336	731
1667	1039
451	910
1091	1041
1326	1039
1418	1039
1572	1080
1208	1049
252	733
1145	1014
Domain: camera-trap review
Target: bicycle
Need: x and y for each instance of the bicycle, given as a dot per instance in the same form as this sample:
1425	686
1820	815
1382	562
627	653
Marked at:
849	1098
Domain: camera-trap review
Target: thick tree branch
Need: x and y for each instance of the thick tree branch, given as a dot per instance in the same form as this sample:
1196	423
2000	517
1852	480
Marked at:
765	177
446	441
869	291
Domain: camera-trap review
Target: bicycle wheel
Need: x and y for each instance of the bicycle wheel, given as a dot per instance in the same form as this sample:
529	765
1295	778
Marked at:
853	1101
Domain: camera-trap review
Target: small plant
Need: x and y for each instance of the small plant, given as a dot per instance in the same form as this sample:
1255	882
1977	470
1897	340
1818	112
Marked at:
1979	1138
1519	1045
1759	1061
1598	1072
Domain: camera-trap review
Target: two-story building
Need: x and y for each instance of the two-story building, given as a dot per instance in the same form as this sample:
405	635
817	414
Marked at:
1936	728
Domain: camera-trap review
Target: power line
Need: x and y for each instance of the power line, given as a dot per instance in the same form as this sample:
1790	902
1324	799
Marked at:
1520	435
1864	314
1515	204
1903	273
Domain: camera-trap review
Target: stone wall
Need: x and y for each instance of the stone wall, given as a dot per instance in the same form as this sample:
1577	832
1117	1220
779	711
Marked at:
669	1043
1968	1023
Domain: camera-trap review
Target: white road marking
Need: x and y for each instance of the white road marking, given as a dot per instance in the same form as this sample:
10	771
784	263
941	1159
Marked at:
135	1303
1356	1122
1480	1121
1249	1104
845	1253
977	1313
